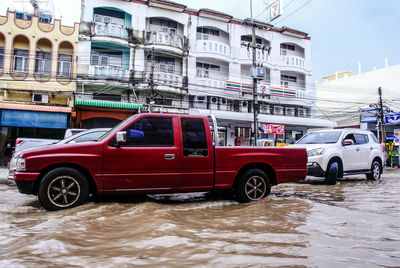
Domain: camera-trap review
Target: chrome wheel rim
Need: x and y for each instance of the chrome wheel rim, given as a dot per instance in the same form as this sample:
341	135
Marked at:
376	171
63	191
255	188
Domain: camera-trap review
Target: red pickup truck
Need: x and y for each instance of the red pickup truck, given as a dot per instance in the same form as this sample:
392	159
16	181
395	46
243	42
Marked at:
154	153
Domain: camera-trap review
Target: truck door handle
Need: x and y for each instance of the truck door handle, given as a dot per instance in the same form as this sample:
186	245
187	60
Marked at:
358	149
169	156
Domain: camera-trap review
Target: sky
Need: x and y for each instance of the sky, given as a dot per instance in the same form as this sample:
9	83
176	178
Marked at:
343	33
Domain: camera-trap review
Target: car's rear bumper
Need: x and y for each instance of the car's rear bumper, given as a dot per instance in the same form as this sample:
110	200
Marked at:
25	181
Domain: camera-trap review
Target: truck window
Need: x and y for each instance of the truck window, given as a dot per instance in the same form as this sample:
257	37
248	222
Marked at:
150	132
194	137
361	138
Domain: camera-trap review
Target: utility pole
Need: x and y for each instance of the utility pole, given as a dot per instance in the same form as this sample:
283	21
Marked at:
255	104
382	116
151	82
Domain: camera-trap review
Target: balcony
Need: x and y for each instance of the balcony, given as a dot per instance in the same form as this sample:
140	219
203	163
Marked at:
109	73
110	29
166	79
248	55
164	38
211	83
213	47
293	61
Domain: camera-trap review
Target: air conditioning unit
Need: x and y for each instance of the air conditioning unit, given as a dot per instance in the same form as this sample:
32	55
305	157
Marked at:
40	98
200	99
214	99
223	100
244	104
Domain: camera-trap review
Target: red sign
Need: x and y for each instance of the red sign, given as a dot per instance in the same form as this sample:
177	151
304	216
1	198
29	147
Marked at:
275	129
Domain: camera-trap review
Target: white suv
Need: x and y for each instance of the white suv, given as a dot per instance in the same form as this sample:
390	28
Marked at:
336	153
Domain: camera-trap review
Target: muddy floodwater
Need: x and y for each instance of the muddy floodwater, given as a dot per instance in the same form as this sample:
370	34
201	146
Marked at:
355	223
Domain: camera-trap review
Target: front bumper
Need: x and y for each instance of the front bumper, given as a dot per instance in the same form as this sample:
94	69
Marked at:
25	181
314	169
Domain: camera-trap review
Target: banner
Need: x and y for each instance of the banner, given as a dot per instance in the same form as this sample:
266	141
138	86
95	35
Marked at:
275	129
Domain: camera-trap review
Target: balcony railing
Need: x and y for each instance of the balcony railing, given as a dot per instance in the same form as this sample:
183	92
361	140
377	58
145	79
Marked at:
210	46
166	79
211	83
163	38
109	72
248	54
294	61
110	29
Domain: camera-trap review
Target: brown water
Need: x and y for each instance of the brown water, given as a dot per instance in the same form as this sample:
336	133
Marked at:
352	224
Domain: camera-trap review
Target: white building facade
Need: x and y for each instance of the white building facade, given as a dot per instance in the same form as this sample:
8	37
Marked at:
175	59
343	95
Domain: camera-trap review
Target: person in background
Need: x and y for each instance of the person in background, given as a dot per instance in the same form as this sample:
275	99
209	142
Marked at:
8	151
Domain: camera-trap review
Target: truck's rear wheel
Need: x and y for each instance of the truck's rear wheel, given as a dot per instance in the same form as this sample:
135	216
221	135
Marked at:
63	188
252	186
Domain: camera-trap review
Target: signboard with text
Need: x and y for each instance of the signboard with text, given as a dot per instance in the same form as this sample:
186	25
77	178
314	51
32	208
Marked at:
275	10
392	119
275	129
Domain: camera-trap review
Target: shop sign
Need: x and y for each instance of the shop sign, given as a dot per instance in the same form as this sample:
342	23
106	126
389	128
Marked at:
390	138
369	116
392	119
275	129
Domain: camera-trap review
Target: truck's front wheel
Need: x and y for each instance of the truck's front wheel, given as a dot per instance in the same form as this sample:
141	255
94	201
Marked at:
252	186
63	188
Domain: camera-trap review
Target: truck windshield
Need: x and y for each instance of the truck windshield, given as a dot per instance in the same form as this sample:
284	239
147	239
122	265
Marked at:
116	127
320	137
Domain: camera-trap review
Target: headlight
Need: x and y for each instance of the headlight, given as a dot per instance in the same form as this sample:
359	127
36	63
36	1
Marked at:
21	164
315	152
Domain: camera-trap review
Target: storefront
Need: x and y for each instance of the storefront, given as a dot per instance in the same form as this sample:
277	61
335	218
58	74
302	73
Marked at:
102	114
32	121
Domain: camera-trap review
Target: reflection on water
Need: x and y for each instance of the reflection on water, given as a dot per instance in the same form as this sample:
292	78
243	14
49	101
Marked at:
353	223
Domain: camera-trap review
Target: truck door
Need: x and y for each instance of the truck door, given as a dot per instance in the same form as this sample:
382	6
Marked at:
197	154
365	150
149	159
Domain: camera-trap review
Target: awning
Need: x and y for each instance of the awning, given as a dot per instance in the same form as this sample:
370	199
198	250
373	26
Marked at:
39	108
34	119
264	118
108	104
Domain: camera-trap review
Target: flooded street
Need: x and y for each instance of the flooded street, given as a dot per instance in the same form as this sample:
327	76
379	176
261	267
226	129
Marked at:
353	223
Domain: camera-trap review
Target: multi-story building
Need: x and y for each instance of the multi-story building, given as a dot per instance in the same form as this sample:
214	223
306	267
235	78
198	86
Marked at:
176	59
37	76
351	99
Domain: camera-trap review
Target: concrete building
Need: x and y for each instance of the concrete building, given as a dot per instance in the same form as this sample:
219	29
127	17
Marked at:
37	76
176	59
343	95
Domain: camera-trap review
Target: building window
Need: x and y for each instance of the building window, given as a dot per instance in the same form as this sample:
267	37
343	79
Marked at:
289	111
163	64
166	26
204	33
43	63
286	79
204	69
288	47
104	57
1	58
249	39
21	60
264	109
302	112
278	110
64	65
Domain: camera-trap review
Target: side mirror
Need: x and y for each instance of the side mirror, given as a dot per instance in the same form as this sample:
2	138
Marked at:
347	142
121	137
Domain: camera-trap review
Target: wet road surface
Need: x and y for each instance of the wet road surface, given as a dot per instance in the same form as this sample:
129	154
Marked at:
355	223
